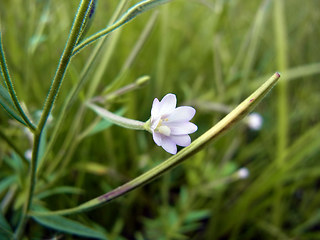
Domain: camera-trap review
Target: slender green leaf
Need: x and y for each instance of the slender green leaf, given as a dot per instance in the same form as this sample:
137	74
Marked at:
313	220
198	215
8	105
142	7
68	226
7	182
132	12
16	163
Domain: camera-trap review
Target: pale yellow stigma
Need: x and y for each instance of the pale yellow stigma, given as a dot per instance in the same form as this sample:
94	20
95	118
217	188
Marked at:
165	130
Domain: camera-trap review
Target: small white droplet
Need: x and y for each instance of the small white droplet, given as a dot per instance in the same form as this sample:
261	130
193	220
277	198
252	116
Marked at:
254	121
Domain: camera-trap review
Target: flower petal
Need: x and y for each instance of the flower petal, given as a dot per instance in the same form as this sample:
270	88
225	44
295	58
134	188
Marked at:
182	128
157	138
155	107
182	114
168	145
167	104
154	122
181	140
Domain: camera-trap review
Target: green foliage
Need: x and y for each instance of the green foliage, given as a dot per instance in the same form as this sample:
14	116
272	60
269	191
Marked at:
63	224
7	104
211	54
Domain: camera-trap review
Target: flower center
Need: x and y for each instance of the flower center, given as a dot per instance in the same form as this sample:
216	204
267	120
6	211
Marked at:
165	130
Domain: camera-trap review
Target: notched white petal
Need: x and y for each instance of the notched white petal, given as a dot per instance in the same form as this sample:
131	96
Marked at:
169	145
155	107
182	114
181	140
157	138
182	128
154	122
167	104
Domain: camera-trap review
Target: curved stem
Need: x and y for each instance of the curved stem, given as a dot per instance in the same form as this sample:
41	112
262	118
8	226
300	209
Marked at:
7	79
128	16
116	119
226	123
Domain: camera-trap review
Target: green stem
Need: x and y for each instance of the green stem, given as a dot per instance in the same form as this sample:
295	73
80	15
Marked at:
64	62
128	16
226	123
118	120
75	91
56	83
31	186
282	106
7	79
140	82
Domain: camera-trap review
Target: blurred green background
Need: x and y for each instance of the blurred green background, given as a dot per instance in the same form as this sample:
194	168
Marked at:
211	54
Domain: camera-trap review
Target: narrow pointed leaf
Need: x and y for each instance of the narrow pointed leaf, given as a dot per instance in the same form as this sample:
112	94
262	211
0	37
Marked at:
68	226
6	182
140	8
8	105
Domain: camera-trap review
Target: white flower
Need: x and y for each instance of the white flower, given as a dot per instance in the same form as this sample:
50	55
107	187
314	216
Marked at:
255	121
243	173
28	154
169	125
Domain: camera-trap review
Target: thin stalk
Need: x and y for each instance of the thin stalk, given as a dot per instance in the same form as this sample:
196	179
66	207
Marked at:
116	119
31	186
76	89
64	62
133	54
225	124
128	16
282	106
7	79
140	82
56	83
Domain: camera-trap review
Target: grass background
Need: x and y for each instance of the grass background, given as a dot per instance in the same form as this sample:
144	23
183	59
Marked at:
206	52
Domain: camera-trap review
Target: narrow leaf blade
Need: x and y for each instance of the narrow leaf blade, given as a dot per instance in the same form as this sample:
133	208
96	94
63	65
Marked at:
68	226
7	104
